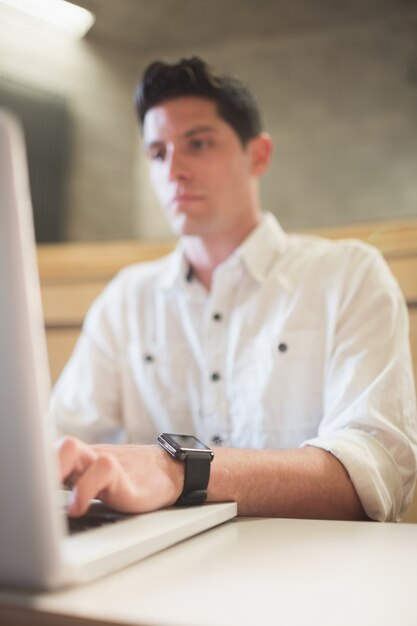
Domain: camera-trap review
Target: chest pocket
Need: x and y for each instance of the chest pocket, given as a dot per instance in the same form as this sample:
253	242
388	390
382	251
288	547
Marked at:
163	377
276	390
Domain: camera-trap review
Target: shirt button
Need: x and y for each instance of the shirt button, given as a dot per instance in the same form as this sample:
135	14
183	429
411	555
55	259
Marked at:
217	440
148	358
217	317
282	347
215	376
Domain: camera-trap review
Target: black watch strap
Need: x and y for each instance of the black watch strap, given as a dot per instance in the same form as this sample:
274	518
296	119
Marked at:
196	478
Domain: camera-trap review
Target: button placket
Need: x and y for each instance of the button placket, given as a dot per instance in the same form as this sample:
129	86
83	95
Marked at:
215	406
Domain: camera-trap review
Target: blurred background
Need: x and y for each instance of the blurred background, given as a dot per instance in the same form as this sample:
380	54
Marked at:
336	80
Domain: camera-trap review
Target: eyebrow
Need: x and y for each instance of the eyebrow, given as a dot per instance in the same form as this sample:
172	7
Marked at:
199	129
189	133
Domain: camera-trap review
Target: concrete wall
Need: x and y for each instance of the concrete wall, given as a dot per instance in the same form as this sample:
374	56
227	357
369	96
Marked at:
97	85
341	106
340	103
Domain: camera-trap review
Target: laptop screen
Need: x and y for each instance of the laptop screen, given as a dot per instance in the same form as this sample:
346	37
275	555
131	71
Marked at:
28	478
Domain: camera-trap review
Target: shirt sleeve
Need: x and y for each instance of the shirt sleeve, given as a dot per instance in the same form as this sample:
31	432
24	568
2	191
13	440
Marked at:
369	420
85	401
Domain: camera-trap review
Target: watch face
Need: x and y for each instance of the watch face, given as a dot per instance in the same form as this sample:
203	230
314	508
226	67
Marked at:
188	442
180	446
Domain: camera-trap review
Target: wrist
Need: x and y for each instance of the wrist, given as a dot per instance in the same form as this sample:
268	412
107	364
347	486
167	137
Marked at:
175	471
222	485
196	458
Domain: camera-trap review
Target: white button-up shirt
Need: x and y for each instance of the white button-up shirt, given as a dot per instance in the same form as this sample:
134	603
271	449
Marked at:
300	341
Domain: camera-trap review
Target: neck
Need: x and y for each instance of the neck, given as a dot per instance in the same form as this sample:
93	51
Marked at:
205	254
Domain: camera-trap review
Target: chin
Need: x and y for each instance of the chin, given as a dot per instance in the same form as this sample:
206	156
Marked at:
184	225
189	231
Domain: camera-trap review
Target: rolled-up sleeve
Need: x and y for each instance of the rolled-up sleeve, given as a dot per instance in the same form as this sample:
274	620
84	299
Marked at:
369	420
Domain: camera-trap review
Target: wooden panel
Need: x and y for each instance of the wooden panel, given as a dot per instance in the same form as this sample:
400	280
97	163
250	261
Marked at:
405	271
60	344
94	261
103	259
67	304
411	516
393	237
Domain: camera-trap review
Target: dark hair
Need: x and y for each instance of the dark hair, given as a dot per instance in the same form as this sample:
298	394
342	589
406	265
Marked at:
193	77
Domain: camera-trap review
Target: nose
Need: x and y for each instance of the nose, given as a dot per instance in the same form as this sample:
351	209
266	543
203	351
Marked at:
178	168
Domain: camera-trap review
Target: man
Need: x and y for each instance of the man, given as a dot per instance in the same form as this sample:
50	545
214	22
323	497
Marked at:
288	354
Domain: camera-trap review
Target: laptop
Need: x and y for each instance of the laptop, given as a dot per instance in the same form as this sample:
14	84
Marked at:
37	551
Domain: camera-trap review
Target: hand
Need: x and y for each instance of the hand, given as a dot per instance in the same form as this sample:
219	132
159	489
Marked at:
129	478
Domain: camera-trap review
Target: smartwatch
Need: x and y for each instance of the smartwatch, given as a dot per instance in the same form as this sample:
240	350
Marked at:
197	458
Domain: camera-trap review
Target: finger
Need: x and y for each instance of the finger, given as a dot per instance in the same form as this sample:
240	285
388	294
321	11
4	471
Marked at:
103	476
74	456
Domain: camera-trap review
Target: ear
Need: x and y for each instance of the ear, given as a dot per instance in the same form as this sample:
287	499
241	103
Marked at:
261	149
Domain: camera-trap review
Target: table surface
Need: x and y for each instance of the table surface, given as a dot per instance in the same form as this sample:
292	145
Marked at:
250	571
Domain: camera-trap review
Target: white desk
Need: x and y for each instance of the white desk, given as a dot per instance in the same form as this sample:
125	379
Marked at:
251	572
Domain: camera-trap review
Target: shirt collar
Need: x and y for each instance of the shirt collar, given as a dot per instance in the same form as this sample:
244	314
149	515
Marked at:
177	270
258	253
260	249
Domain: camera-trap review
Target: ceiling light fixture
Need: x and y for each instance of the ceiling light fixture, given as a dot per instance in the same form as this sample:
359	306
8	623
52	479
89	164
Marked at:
65	16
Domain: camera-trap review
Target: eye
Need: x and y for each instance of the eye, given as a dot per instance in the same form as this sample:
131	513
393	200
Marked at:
156	153
199	144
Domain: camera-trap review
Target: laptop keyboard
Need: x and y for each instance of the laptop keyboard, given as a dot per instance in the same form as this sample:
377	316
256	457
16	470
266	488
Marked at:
97	515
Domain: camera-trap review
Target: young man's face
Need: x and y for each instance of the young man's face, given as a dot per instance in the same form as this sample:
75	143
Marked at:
201	173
